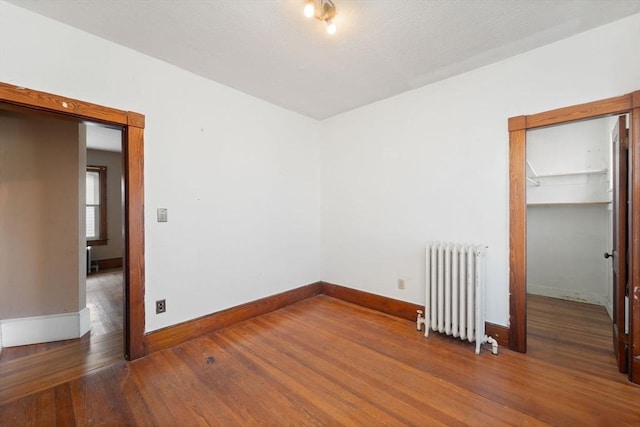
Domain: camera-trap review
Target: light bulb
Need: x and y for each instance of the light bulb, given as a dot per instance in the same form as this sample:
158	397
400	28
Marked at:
331	27
309	9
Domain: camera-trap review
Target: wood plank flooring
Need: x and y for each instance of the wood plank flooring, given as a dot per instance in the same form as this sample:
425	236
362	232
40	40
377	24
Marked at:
104	300
31	368
324	362
571	334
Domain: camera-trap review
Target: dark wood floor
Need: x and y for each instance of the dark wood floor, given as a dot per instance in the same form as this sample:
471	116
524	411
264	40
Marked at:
327	362
30	368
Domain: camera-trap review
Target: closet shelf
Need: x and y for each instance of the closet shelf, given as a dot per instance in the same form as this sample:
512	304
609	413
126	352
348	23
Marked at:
584	172
533	178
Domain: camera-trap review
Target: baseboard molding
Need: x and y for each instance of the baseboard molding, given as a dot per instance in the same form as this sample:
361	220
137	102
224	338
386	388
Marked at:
104	264
394	307
566	294
176	334
499	332
39	329
402	309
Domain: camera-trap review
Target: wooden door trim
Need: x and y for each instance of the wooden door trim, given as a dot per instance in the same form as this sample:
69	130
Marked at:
133	160
517	126
634	242
517	240
620	175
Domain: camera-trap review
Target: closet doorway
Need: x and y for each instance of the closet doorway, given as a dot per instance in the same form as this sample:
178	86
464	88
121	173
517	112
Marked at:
518	127
569	229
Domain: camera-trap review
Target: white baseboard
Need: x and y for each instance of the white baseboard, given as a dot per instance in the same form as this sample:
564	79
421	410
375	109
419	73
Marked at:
568	294
38	329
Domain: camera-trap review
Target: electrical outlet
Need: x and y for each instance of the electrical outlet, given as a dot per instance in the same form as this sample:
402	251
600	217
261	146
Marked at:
161	306
400	283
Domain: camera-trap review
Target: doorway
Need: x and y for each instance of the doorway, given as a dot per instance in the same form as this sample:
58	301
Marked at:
53	315
42	103
569	228
104	227
518	127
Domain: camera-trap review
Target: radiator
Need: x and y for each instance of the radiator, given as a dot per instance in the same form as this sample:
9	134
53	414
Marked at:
455	291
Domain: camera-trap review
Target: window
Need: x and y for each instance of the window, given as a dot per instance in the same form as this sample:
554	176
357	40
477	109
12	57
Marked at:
96	208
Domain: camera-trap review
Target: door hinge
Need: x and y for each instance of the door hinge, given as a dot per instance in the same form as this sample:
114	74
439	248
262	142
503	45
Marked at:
624	338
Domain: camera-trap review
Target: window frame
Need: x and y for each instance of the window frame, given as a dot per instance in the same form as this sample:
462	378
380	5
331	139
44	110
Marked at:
102	176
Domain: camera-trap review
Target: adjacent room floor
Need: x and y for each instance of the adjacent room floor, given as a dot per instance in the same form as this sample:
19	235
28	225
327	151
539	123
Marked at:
572	335
323	361
31	368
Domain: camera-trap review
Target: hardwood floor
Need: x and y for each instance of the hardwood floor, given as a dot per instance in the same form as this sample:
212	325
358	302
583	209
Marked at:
571	334
324	361
31	368
104	300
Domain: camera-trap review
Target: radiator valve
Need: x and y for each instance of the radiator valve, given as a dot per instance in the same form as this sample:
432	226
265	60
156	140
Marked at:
493	342
420	320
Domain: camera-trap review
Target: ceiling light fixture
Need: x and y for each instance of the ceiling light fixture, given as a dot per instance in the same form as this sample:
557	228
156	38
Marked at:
309	9
322	10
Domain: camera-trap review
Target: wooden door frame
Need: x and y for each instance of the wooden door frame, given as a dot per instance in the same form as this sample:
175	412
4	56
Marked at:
133	171
518	126
620	233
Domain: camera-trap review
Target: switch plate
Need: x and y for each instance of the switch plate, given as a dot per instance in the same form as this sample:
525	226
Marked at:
400	283
162	215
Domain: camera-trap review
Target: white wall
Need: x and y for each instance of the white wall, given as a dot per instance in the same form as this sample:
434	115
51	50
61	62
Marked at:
567	234
565	247
239	176
432	164
569	148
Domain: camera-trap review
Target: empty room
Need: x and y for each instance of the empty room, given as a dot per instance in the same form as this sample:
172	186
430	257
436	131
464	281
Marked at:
319	212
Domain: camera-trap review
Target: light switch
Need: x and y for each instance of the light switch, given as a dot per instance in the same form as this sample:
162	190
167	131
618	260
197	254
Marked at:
162	215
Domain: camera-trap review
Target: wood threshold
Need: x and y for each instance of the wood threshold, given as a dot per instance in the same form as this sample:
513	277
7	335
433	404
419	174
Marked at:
70	360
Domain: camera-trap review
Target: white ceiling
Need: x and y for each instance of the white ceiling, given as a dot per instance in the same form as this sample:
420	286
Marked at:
268	49
103	138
